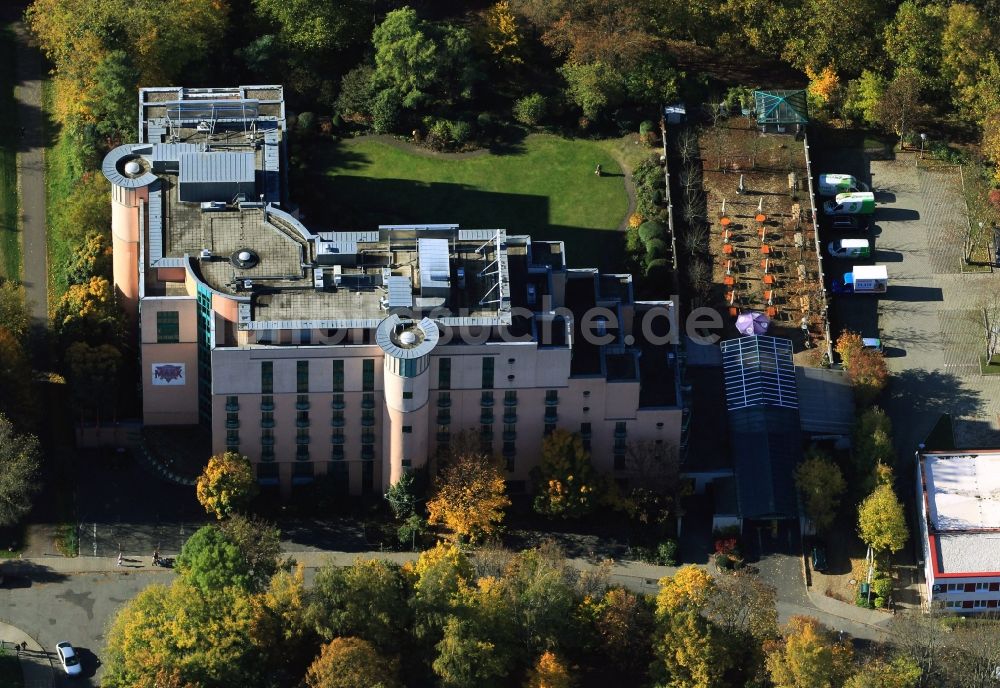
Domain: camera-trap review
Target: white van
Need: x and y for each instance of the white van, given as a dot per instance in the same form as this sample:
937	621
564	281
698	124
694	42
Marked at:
849	248
833	184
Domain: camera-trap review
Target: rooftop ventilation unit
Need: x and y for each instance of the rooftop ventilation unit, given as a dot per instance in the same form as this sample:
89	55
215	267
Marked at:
206	254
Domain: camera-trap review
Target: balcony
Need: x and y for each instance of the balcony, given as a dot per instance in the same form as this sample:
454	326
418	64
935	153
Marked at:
510	417
302	405
444	437
267	441
338	404
486	417
232	424
368	438
444	402
367	452
268	423
509	435
367	404
444	418
486	435
551	416
510	401
585	435
620	434
337	438
551	401
509	451
337	421
302	439
232	407
302	422
367	422
267	406
486	401
267	455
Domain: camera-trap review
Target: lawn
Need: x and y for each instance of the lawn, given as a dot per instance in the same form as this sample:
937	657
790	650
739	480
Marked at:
10	239
544	186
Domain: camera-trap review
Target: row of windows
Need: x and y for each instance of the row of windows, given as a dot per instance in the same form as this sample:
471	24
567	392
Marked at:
972	604
304	473
970	587
302	376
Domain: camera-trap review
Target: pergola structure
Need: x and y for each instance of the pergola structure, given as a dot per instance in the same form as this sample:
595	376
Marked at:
781	108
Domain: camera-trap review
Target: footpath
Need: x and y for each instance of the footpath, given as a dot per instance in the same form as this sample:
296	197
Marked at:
36	665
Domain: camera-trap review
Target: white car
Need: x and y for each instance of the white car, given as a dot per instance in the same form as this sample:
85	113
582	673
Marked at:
67	657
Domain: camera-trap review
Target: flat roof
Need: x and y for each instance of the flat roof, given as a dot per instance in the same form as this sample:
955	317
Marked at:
962	493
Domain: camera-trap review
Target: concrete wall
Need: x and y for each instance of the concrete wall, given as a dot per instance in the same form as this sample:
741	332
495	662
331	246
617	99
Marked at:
126	206
176	401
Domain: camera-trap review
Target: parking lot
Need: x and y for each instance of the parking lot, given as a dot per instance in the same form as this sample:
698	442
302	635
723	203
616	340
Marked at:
928	319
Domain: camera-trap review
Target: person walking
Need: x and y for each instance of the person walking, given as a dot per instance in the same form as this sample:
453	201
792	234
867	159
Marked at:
156	557
119	559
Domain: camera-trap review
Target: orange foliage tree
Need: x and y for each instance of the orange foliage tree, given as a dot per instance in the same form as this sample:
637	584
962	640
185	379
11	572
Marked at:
549	672
469	496
352	663
808	655
865	367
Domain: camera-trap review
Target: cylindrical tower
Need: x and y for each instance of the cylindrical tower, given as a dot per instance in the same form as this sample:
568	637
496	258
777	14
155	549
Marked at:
130	176
407	346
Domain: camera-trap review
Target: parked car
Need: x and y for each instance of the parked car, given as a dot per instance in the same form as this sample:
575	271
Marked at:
818	557
849	248
872	343
68	659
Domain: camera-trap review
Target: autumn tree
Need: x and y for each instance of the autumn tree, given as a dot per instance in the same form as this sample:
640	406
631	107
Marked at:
823	90
14	309
872	443
352	663
820	483
963	57
19	472
623	625
87	313
18	400
503	34
259	542
881	521
863	95
279	621
465	659
566	484
900	672
808	656
165	678
818	31
368	600
866	368
549	672
913	39
469	495
91	258
900	105
227	484
442	575
596	88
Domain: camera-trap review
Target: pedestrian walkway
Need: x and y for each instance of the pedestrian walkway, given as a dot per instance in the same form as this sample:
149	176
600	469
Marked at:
35	662
852	612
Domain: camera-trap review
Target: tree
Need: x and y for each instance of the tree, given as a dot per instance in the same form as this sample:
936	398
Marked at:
14	309
688	589
817	34
357	92
111	102
279	621
623	626
808	657
691	651
913	40
87	313
226	484
503	35
863	96
18	399
566	484
19	472
881	521
311	27
549	672
259	542
821	484
91	259
165	678
900	104
824	90
539	587
866	368
352	663
93	375
963	39
873	441
211	561
421	62
596	88
901	672
465	660
469	495
530	110
367	600
402	496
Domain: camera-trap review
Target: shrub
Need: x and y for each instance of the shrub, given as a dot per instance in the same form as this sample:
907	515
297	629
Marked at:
461	132
657	266
723	562
862	601
882	587
486	123
634	220
880	602
385	112
531	109
656	248
646	127
666	553
651	230
306	123
357	95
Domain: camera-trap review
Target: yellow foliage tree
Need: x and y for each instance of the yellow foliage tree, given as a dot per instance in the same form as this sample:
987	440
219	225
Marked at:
808	656
226	484
352	663
549	672
503	35
990	144
566	483
824	84
689	589
470	495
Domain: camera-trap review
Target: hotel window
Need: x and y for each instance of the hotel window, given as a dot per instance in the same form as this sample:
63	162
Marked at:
302	453
510	398
337	453
487	372
982	586
338	376
367	476
302	419
302	377
551	397
585	435
168	327
407	395
509	454
407	429
267	377
232	440
619	448
368	375
444	373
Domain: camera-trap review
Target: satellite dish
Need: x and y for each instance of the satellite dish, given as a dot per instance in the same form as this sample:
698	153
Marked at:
133	167
408	338
245	256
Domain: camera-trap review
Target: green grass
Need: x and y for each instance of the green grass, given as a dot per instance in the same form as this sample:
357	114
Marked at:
59	182
989	367
544	186
10	235
68	540
10	670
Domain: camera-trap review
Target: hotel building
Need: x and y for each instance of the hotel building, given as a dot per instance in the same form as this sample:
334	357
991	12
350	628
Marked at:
359	353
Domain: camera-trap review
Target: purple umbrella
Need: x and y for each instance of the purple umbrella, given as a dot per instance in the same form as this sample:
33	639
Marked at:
752	323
